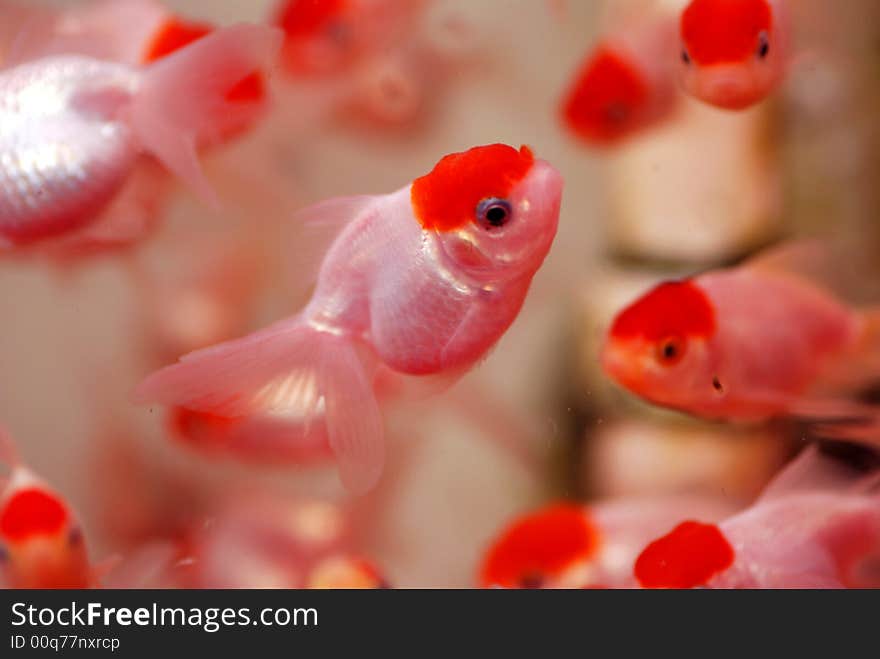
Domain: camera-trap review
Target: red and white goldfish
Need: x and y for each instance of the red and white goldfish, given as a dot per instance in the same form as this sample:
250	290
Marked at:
73	127
627	82
325	36
734	52
423	281
41	541
802	533
569	545
747	343
379	60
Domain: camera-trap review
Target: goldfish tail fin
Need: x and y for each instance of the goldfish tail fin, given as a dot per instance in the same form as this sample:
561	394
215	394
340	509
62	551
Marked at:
290	370
184	96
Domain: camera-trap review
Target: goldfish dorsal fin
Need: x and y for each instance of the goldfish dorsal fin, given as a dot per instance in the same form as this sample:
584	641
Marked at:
810	471
837	268
313	230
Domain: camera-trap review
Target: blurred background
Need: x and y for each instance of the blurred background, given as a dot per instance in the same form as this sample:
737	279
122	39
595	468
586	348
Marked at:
537	421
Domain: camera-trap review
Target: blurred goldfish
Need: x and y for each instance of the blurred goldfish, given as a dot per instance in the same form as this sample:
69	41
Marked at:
41	541
734	52
627	82
74	127
816	526
568	545
377	60
764	339
423	281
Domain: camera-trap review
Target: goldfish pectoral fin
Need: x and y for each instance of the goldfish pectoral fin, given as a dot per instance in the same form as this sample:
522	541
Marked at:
354	422
313	229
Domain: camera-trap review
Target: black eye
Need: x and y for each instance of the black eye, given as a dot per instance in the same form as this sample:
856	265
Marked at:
670	350
763	45
493	212
685	56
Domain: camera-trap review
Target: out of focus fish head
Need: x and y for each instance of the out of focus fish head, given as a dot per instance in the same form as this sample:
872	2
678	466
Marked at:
660	347
41	543
554	547
733	53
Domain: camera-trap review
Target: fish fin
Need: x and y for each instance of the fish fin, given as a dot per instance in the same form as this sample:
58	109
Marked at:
810	471
838	268
183	97
313	229
290	370
33	37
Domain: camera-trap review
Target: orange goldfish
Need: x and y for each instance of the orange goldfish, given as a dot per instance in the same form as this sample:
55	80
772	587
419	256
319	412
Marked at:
569	545
626	83
747	343
733	52
422	281
41	541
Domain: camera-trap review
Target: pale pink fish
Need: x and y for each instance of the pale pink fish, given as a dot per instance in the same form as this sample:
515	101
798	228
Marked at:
423	281
573	545
760	340
72	128
816	526
734	52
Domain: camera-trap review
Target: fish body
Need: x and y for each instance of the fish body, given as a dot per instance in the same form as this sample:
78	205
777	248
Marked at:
734	52
423	281
747	343
72	127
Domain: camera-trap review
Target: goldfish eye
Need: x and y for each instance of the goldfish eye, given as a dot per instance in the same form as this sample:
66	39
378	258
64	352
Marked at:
685	56
763	45
493	212
670	351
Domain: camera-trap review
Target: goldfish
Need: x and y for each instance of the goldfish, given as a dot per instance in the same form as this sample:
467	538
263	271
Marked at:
326	36
817	525
74	127
41	540
626	83
763	339
374	60
422	281
571	545
734	52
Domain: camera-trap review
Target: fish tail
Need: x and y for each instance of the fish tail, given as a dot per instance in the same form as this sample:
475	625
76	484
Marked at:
290	370
184	98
